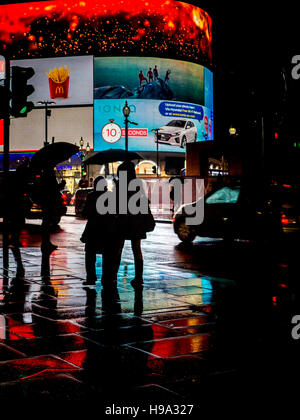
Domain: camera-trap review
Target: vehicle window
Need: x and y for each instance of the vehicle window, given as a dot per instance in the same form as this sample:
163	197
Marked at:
176	123
188	125
224	195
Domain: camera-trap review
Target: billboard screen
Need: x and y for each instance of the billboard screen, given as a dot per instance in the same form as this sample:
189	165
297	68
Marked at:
64	124
167	28
65	80
170	100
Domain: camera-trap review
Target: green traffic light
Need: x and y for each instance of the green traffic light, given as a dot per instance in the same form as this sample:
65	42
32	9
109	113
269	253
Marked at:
23	110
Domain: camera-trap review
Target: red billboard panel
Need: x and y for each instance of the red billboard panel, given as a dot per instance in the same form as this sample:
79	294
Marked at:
1	133
171	28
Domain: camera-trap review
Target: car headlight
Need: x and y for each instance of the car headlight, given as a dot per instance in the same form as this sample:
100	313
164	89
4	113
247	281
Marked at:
175	134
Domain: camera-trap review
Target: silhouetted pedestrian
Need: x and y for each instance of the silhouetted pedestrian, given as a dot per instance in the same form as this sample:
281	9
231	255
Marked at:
62	184
83	183
132	226
18	187
97	235
176	199
50	199
155	73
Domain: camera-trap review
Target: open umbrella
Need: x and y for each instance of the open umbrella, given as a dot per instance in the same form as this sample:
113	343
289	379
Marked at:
111	155
52	154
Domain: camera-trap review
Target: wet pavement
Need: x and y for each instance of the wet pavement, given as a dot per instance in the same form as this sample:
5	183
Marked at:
211	322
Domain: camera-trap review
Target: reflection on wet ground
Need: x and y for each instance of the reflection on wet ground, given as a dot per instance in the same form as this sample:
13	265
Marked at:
186	337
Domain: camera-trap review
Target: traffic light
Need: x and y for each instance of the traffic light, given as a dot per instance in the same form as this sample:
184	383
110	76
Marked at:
4	99
296	144
20	91
154	169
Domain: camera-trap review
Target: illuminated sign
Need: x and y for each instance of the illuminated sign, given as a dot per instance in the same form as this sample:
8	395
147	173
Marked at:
170	100
171	132
67	80
1	132
2	67
111	133
63	27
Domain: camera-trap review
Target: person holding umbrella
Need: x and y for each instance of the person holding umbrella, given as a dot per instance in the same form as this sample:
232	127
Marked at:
50	200
132	227
47	189
97	235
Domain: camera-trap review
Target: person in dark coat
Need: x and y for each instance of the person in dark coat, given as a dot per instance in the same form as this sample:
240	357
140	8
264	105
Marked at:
16	214
97	237
131	227
50	200
17	187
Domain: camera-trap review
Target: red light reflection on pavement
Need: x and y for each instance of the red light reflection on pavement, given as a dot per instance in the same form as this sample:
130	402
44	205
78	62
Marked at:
23	331
29	367
75	357
173	347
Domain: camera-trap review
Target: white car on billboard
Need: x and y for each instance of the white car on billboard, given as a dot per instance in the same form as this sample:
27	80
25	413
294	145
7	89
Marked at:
177	133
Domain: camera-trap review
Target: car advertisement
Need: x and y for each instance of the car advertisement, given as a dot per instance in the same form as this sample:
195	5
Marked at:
66	81
168	125
170	101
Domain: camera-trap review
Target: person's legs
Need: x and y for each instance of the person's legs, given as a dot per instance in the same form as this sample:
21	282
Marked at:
17	256
138	261
111	262
90	264
118	255
47	246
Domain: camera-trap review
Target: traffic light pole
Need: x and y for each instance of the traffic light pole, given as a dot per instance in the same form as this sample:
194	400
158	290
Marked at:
6	176
46	125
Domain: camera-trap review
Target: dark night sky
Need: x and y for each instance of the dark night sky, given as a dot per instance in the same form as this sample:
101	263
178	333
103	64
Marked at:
254	42
253	33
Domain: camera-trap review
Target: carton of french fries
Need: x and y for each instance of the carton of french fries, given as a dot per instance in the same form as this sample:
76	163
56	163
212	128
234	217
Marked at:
59	82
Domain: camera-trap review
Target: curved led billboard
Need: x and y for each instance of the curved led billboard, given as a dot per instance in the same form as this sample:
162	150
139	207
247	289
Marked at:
170	101
167	28
154	54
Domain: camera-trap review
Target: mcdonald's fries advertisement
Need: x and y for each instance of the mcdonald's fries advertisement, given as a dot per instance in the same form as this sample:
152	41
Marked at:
67	81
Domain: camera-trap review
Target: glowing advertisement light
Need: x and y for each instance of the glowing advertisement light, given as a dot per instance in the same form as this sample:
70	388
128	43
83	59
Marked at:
170	100
167	28
67	80
156	55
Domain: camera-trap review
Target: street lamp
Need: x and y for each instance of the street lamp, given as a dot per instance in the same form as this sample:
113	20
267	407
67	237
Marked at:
81	142
47	114
156	130
232	131
126	112
87	150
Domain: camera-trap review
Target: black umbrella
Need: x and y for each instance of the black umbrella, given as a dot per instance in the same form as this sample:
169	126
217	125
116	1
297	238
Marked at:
52	154
111	155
